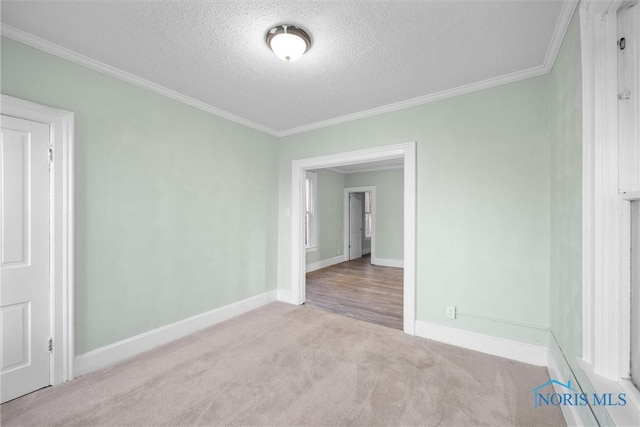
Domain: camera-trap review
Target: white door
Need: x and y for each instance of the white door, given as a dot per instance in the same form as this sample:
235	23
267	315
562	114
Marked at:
24	257
355	225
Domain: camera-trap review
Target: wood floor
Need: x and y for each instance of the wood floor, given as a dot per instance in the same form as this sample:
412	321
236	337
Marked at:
360	290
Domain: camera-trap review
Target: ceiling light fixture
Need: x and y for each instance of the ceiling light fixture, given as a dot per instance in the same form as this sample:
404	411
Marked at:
288	42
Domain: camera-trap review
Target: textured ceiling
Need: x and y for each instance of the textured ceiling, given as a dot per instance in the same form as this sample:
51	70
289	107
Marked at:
365	54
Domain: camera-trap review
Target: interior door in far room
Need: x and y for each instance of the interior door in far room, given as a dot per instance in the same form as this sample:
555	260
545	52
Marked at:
24	257
356	201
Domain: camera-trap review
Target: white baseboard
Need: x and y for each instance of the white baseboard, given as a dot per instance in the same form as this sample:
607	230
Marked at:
112	353
527	353
325	263
569	412
384	262
627	415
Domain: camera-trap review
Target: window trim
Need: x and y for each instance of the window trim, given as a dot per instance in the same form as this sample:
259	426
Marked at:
606	213
312	246
370	213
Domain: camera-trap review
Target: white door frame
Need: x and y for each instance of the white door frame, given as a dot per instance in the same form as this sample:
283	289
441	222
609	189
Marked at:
61	125
352	206
605	213
346	224
406	151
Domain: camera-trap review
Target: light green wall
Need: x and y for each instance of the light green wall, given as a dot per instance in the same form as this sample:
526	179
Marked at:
566	219
482	202
175	208
389	209
330	216
566	195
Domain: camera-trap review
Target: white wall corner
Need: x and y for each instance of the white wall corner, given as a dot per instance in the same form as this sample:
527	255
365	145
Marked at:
285	295
514	350
118	351
324	263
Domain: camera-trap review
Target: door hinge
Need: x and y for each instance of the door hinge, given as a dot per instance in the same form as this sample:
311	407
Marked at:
50	154
50	344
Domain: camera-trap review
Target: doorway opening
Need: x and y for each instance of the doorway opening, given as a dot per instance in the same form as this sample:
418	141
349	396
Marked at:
355	282
406	232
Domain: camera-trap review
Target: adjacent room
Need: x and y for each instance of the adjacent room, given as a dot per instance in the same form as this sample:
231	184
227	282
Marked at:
320	212
354	250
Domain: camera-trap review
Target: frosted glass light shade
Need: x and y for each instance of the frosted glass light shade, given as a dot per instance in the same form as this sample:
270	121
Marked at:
288	42
288	47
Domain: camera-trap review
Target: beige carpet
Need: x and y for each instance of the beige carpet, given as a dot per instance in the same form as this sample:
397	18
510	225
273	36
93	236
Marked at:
288	365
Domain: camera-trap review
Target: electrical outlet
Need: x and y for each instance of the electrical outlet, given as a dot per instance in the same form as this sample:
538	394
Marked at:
451	312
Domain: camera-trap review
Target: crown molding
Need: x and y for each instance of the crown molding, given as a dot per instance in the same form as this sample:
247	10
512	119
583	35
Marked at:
421	100
560	30
62	52
568	8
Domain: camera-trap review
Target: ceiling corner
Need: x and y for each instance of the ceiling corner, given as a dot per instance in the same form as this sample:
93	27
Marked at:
568	9
69	55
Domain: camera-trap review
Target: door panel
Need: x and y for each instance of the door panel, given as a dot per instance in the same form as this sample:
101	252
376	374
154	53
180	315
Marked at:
355	225
24	256
15	242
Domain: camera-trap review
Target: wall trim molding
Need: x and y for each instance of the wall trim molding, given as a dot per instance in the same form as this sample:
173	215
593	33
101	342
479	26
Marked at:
605	215
554	46
570	413
552	52
628	415
325	263
118	351
421	100
406	151
514	350
70	55
384	168
385	262
568	9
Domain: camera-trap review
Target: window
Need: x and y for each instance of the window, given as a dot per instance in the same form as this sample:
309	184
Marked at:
368	220
310	201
